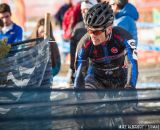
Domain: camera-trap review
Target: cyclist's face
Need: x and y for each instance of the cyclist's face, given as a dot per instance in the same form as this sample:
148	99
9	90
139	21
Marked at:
98	35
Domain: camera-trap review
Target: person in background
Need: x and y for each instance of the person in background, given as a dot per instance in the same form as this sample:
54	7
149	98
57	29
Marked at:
58	17
10	30
126	16
100	1
78	32
55	55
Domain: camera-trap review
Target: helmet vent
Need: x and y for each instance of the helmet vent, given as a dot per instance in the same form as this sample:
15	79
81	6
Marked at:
100	20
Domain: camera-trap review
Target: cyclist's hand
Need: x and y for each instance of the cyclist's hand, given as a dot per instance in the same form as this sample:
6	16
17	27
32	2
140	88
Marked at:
75	86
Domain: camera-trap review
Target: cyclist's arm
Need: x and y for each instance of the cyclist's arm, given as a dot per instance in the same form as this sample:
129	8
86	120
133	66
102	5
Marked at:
131	60
80	75
81	65
82	41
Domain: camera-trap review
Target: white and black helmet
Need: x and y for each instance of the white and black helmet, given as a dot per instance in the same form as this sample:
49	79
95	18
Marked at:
100	15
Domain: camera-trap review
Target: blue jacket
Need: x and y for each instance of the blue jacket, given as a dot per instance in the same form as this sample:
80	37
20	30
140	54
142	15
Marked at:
13	35
126	18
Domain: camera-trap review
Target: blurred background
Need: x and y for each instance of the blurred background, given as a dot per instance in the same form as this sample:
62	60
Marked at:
27	12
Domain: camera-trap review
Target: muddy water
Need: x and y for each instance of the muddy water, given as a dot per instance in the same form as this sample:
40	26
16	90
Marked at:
148	78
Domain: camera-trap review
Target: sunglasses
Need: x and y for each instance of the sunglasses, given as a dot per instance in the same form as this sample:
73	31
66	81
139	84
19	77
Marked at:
95	32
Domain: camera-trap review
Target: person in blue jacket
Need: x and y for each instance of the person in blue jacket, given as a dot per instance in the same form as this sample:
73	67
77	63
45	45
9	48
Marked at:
126	16
10	31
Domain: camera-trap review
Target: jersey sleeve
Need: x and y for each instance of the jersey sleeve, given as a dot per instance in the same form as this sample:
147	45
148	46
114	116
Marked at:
82	56
131	60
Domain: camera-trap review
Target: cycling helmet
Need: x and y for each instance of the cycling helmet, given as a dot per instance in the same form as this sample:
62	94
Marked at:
100	15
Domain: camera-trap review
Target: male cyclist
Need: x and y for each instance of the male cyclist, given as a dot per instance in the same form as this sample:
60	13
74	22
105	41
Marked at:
110	50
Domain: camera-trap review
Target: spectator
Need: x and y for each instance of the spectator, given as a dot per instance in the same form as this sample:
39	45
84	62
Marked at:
126	16
59	15
100	1
71	17
78	32
10	31
55	55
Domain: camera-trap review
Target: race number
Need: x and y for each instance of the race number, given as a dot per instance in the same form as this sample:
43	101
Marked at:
133	46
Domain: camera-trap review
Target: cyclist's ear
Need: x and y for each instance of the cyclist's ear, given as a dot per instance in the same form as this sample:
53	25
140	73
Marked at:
109	29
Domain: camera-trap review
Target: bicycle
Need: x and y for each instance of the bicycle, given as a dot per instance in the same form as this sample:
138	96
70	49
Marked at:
104	108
